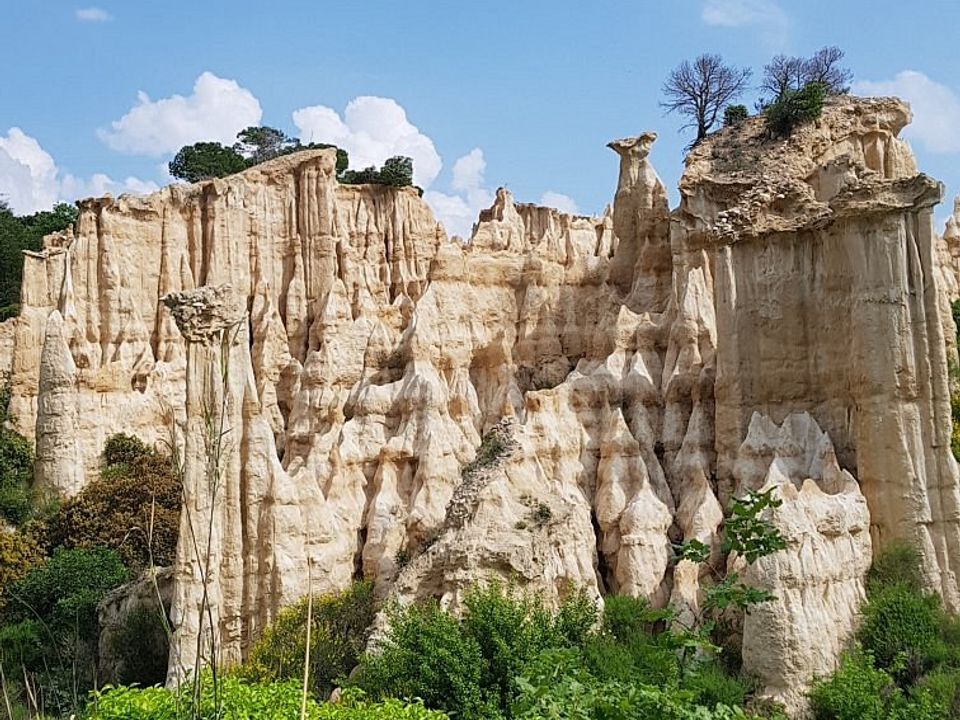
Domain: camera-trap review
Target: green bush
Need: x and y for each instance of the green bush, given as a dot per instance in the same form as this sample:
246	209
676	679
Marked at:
123	449
898	564
901	629
339	632
468	666
712	686
856	691
795	108
735	114
16	472
558	685
427	655
50	627
133	508
236	699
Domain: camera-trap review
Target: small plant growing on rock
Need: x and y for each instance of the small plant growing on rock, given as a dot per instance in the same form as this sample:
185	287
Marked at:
795	108
735	114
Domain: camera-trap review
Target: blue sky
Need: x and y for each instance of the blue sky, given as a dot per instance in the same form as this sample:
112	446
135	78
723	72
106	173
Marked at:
523	94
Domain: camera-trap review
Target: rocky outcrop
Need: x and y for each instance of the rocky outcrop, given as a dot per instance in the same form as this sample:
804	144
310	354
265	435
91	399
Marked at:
825	522
141	606
786	326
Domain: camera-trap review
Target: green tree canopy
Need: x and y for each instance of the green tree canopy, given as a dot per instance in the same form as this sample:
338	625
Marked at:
206	160
259	144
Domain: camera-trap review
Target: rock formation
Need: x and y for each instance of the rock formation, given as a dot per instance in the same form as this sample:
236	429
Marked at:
788	325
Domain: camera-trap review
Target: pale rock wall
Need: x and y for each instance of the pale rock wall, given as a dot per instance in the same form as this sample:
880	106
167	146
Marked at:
355	357
817	581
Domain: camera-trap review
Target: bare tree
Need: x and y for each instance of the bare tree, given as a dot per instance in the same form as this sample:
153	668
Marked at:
782	74
824	67
785	74
701	89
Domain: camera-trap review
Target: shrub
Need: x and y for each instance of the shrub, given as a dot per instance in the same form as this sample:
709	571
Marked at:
712	686
856	691
16	475
735	114
133	508
898	564
557	685
795	108
50	622
426	655
901	629
339	633
943	688
123	449
19	552
239	700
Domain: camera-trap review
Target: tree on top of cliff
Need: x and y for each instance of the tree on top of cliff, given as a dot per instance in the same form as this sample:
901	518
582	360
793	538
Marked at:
396	172
259	144
206	160
789	74
702	89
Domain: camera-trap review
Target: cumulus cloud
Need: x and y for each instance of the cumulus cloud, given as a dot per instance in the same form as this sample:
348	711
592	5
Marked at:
30	179
458	211
371	130
28	174
766	15
93	14
216	111
563	203
936	108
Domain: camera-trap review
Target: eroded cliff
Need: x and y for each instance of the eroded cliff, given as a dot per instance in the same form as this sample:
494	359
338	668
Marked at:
786	326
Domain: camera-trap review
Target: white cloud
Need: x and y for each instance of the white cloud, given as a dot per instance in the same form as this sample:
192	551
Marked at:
28	174
30	179
216	111
458	212
563	203
93	14
936	108
371	130
767	15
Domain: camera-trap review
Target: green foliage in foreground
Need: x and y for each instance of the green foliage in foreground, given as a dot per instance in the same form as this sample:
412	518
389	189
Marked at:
509	657
49	623
906	664
237	699
340	629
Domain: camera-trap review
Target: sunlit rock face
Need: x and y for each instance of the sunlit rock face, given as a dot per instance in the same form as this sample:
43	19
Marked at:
787	326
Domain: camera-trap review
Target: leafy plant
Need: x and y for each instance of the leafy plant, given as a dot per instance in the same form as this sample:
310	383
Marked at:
427	655
795	108
339	633
901	629
133	507
856	691
396	172
735	114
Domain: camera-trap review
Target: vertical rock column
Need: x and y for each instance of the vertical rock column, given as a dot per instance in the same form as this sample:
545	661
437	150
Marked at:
208	572
58	469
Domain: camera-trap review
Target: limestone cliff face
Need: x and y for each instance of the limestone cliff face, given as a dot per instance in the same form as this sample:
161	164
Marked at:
786	326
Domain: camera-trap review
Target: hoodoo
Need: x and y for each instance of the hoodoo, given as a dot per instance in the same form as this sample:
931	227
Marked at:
556	401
